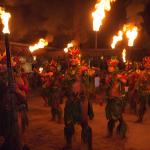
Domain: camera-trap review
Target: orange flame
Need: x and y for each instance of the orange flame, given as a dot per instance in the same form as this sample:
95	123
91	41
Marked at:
69	45
131	33
34	58
116	39
41	44
40	69
66	50
99	14
124	55
5	16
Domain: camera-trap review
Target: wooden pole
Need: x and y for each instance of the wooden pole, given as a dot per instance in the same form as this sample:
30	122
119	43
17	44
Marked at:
13	137
96	39
8	55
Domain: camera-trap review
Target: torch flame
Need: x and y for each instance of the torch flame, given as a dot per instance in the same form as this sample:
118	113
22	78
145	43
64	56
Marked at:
116	39
131	32
124	55
34	58
69	45
66	50
5	16
40	69
41	44
132	35
99	14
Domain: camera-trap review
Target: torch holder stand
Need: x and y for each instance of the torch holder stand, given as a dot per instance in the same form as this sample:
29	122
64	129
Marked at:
12	135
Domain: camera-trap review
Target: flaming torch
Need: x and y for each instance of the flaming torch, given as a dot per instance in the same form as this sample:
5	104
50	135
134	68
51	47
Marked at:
99	14
41	44
116	39
34	58
13	137
5	16
124	55
69	45
132	35
40	69
66	50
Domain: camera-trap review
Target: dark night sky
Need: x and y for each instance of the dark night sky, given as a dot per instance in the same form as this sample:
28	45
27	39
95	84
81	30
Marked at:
61	21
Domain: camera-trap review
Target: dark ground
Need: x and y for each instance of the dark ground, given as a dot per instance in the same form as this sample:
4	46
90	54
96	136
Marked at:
43	134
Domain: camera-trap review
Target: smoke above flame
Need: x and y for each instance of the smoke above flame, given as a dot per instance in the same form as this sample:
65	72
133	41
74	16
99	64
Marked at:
134	9
33	19
135	12
53	18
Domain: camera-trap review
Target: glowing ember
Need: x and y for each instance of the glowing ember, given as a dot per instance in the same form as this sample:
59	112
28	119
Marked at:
99	13
5	16
40	69
124	55
116	39
41	44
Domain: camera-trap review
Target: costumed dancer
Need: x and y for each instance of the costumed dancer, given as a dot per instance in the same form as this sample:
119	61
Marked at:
115	101
55	98
22	90
45	88
133	93
76	112
143	87
55	101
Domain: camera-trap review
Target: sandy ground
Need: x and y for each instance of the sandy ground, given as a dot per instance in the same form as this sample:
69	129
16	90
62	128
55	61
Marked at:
44	134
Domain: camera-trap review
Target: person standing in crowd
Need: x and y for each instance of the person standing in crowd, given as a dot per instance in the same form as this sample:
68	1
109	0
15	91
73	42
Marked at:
45	92
115	101
11	114
55	100
22	91
143	88
133	93
76	112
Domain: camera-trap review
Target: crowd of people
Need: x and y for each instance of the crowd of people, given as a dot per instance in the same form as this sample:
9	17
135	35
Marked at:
76	84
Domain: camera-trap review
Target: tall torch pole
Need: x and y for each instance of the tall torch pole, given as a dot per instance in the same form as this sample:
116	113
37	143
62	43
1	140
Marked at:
96	32
9	66
13	136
